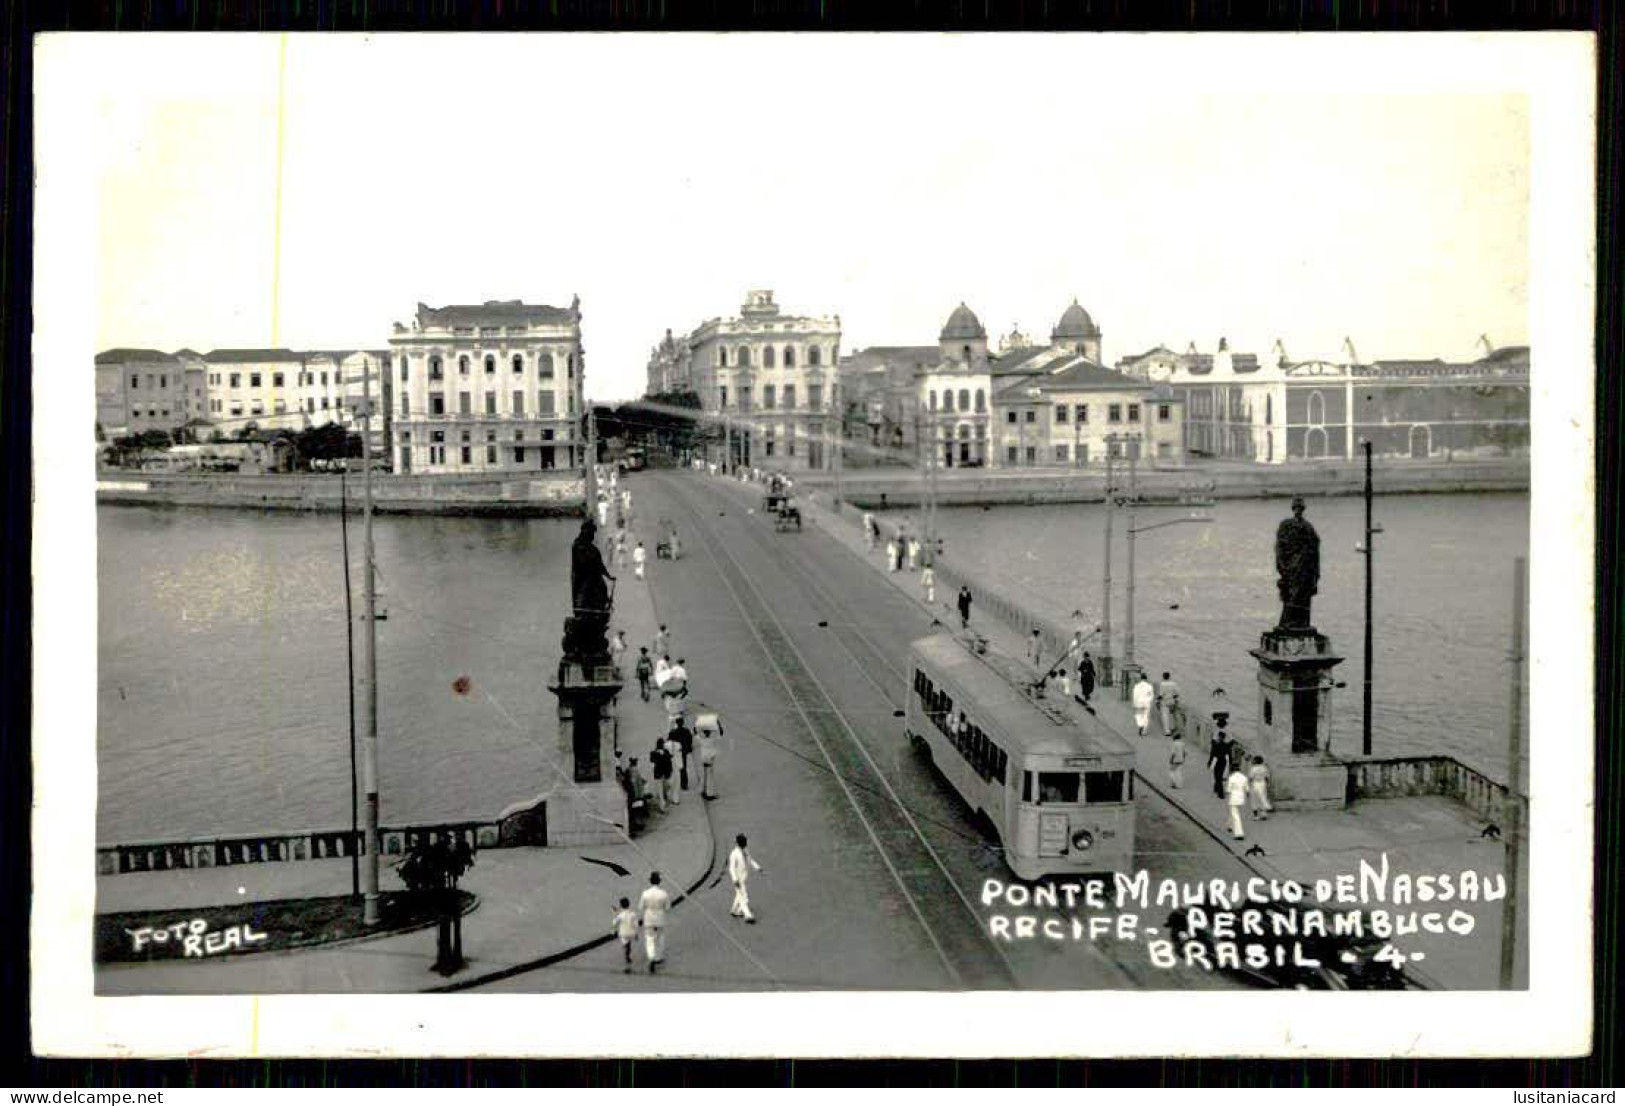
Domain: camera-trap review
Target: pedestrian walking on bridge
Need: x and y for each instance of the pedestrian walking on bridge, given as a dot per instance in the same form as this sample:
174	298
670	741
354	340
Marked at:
1143	695
1235	789
1176	761
626	928
1218	760
660	759
683	738
1086	678
1167	694
653	905
645	670
928	581
709	728
1258	782
740	865
964	607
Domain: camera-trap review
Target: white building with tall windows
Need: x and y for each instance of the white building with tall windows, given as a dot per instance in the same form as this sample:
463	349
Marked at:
956	393
772	378
259	389
486	387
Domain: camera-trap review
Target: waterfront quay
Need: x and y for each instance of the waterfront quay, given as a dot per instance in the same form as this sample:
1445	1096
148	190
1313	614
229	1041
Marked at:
874	871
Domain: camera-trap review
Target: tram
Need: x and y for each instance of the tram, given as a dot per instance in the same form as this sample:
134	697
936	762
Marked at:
1055	782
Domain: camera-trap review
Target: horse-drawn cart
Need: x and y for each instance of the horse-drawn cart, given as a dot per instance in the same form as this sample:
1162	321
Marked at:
788	516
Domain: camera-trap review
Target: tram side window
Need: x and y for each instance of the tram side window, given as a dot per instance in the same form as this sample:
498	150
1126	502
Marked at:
1103	787
1057	788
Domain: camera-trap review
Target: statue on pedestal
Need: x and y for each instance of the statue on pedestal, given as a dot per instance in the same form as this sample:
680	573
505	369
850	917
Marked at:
585	631
1297	563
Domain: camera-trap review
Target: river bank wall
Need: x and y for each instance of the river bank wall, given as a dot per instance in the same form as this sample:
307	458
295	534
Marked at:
1033	487
530	496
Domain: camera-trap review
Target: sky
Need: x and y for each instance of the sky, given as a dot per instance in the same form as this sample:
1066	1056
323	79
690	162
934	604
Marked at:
308	191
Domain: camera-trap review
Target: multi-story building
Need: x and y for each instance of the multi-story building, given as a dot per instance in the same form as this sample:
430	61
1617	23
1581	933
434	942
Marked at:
195	373
259	389
492	386
139	390
671	365
365	372
1077	413
1283	410
1057	405
771	378
955	393
881	411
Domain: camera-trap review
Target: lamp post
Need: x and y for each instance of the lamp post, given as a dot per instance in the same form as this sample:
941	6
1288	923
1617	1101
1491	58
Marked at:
1106	586
1366	547
369	641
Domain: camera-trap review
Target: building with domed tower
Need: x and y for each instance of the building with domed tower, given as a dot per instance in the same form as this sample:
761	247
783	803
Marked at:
1026	406
955	393
1076	331
1059	406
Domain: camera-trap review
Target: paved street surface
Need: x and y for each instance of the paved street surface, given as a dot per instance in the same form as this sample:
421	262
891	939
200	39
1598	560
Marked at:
872	864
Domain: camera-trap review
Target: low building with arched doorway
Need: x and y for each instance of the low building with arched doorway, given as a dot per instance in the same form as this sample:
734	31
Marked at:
1274	410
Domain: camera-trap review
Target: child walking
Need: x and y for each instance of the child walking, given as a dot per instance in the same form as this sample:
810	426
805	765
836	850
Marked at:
1258	781
626	928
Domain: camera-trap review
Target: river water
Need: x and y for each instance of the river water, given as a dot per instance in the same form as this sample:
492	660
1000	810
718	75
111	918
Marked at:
1204	592
222	674
223	686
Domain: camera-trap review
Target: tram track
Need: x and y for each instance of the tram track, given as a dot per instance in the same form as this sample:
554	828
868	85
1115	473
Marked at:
847	631
912	862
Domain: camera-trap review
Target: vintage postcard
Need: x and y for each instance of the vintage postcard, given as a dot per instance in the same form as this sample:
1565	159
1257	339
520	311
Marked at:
877	545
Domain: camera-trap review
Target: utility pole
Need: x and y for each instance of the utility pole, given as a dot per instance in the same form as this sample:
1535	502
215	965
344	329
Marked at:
590	472
1133	492
1513	833
1106	587
369	644
1371	531
840	441
349	662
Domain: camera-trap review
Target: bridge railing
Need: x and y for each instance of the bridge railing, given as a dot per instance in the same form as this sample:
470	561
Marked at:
1369	777
326	844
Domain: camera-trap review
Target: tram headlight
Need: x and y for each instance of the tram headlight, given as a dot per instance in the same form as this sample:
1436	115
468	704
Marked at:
1082	840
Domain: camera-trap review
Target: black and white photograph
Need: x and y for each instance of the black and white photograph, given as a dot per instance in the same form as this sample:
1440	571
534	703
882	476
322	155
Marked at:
814	544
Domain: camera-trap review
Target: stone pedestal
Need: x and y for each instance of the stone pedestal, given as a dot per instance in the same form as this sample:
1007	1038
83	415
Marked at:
1294	719
589	809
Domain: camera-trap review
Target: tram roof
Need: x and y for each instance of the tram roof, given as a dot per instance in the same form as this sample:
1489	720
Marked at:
998	686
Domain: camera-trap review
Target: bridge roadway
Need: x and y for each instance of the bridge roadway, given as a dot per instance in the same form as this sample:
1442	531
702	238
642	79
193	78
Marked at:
872	865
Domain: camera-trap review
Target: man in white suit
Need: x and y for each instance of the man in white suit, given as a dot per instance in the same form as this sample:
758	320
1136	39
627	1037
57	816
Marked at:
740	864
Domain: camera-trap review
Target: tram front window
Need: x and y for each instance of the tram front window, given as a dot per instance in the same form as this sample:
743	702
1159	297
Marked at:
1103	787
1056	788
